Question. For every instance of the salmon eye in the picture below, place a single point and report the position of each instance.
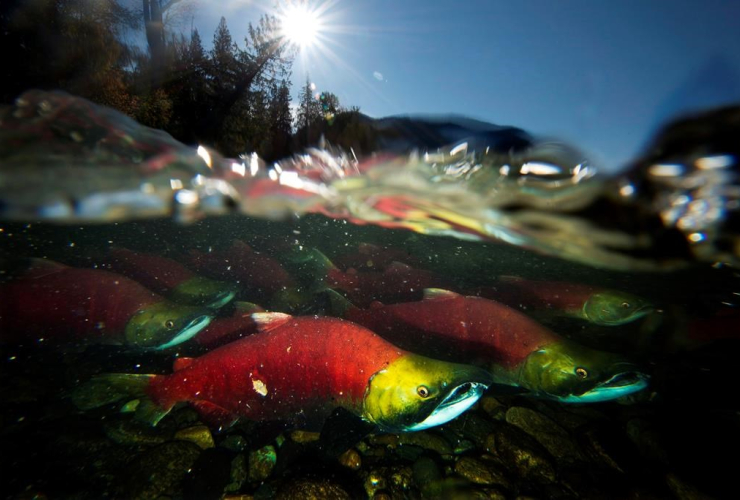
(581, 372)
(422, 391)
(169, 324)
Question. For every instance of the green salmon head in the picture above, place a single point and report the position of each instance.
(611, 308)
(199, 291)
(414, 393)
(165, 324)
(572, 373)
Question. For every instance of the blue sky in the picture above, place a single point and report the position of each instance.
(599, 74)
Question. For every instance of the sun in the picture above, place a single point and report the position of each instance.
(300, 24)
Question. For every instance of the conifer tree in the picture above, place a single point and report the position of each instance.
(281, 121)
(309, 108)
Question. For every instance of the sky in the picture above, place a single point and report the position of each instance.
(600, 75)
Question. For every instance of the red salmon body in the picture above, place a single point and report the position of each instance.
(301, 369)
(241, 264)
(397, 283)
(457, 328)
(373, 257)
(157, 273)
(538, 295)
(60, 303)
(224, 330)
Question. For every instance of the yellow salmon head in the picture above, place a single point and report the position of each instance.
(415, 392)
(199, 291)
(165, 324)
(572, 373)
(612, 307)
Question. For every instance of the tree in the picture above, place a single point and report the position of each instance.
(265, 58)
(72, 45)
(281, 122)
(189, 87)
(156, 13)
(309, 108)
(329, 105)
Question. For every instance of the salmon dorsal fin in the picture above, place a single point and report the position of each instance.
(43, 267)
(339, 305)
(510, 279)
(240, 245)
(182, 363)
(267, 321)
(247, 307)
(367, 248)
(398, 266)
(439, 294)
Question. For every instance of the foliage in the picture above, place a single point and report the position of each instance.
(234, 97)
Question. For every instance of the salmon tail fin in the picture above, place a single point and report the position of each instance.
(110, 388)
(508, 278)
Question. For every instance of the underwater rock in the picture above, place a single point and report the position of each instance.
(312, 489)
(239, 473)
(199, 434)
(185, 417)
(261, 463)
(493, 407)
(234, 442)
(472, 426)
(521, 452)
(426, 471)
(209, 476)
(569, 417)
(647, 441)
(351, 459)
(478, 472)
(132, 432)
(389, 482)
(549, 434)
(382, 495)
(374, 481)
(608, 448)
(488, 494)
(683, 490)
(423, 440)
(159, 470)
(402, 479)
(79, 456)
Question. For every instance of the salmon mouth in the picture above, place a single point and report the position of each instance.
(189, 331)
(620, 384)
(456, 402)
(221, 300)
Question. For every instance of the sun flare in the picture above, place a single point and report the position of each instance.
(300, 25)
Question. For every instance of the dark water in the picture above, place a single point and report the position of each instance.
(668, 441)
(674, 439)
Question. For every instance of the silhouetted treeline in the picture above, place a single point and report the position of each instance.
(234, 97)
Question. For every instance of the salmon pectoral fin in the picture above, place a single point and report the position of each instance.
(342, 430)
(150, 412)
(214, 415)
